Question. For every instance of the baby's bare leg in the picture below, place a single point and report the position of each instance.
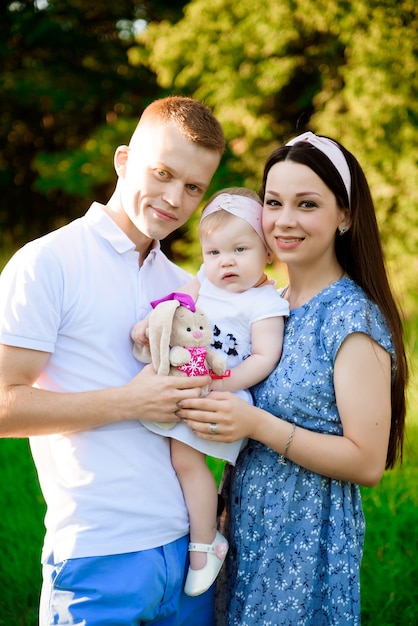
(200, 494)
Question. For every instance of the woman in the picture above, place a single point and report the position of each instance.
(331, 415)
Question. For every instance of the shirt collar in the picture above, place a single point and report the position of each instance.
(109, 230)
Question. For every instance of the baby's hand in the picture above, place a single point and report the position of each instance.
(139, 332)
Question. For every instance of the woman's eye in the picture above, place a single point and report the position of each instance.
(272, 203)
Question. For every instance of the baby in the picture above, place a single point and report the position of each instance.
(246, 313)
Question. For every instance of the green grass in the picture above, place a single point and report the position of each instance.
(390, 563)
(21, 533)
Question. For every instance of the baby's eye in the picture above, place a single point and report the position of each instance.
(240, 248)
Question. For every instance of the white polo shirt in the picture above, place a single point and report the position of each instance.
(76, 293)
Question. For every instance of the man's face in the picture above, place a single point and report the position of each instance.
(162, 179)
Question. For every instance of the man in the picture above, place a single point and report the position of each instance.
(116, 525)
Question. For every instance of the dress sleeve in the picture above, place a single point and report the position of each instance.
(356, 315)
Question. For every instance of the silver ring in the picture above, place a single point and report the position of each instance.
(212, 429)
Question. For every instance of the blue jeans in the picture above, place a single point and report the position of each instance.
(124, 590)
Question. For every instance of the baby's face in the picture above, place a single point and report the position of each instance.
(234, 256)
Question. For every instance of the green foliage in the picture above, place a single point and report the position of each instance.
(230, 55)
(376, 115)
(274, 68)
(79, 172)
(66, 83)
(74, 80)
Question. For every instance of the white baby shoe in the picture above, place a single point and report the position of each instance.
(199, 580)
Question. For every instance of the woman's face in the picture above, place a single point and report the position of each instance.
(300, 215)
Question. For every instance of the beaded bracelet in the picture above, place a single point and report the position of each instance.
(282, 457)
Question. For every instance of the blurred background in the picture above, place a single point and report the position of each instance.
(75, 76)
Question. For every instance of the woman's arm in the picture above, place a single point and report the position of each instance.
(362, 379)
(266, 349)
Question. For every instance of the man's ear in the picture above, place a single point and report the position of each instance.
(120, 160)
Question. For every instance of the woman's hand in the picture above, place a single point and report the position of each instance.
(220, 416)
(362, 385)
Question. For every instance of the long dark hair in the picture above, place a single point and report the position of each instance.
(359, 252)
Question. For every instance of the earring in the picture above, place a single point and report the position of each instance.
(343, 230)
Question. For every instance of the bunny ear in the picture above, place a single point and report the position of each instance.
(160, 323)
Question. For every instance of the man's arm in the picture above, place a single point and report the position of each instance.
(28, 411)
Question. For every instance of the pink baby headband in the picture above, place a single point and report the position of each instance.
(241, 206)
(332, 151)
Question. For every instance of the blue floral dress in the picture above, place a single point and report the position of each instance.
(296, 538)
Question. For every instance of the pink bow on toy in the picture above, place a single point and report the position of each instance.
(183, 298)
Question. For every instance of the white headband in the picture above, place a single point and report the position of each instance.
(332, 151)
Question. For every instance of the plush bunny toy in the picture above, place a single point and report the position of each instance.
(179, 335)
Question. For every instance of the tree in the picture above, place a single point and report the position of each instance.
(377, 114)
(69, 96)
(274, 68)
